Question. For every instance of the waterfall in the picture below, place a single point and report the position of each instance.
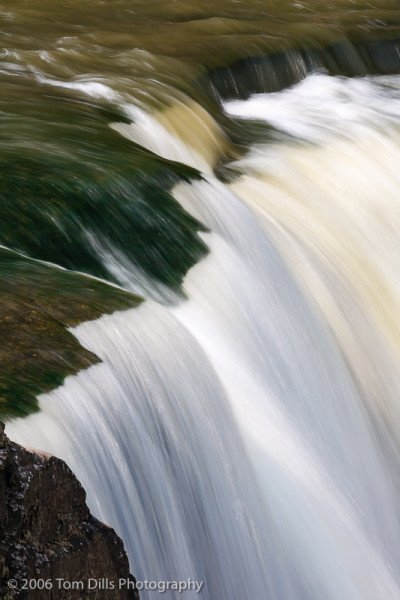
(247, 436)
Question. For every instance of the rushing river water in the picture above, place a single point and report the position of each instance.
(215, 161)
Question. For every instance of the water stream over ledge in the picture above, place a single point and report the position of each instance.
(242, 425)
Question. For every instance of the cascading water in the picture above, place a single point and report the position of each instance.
(247, 435)
(230, 438)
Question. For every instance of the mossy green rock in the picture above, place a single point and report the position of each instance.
(39, 302)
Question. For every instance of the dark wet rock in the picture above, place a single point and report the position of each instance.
(48, 534)
(275, 71)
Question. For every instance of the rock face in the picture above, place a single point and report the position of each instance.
(49, 539)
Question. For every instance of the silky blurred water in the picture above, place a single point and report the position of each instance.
(242, 427)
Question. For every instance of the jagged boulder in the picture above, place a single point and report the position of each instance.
(51, 547)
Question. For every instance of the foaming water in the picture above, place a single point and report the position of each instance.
(334, 213)
(321, 108)
(248, 436)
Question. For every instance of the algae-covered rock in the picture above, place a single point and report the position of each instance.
(38, 303)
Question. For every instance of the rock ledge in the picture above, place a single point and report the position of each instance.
(47, 533)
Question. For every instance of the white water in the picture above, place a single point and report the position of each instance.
(334, 212)
(248, 437)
